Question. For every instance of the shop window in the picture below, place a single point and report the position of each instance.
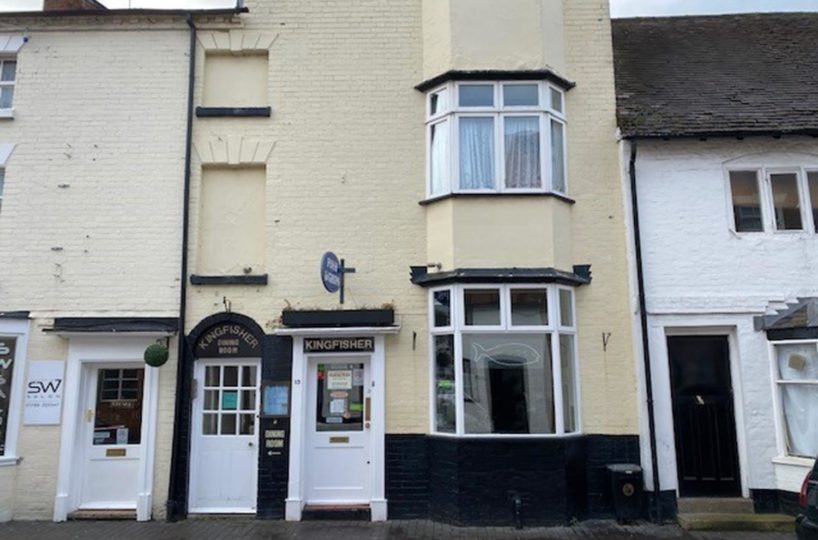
(232, 221)
(496, 137)
(796, 366)
(8, 348)
(502, 364)
(235, 80)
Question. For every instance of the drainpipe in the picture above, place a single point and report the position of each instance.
(643, 316)
(182, 403)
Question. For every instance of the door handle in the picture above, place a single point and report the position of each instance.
(699, 400)
(250, 444)
(367, 412)
(89, 415)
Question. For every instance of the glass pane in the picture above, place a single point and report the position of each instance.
(477, 152)
(248, 376)
(477, 95)
(507, 383)
(211, 400)
(444, 384)
(442, 301)
(482, 307)
(522, 146)
(569, 381)
(340, 397)
(797, 362)
(9, 68)
(6, 97)
(118, 418)
(210, 424)
(439, 158)
(230, 400)
(557, 156)
(212, 376)
(556, 99)
(786, 201)
(231, 376)
(566, 308)
(228, 424)
(247, 424)
(800, 403)
(746, 201)
(248, 400)
(812, 180)
(529, 307)
(439, 102)
(520, 95)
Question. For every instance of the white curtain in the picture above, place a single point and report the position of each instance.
(477, 153)
(798, 362)
(440, 158)
(522, 141)
(557, 156)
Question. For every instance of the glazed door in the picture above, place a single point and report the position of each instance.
(337, 469)
(703, 416)
(224, 453)
(112, 437)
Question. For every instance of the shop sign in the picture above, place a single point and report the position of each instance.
(7, 348)
(335, 345)
(331, 272)
(44, 392)
(228, 340)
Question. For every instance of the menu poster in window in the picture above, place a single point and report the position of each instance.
(7, 348)
(44, 392)
(340, 379)
(276, 399)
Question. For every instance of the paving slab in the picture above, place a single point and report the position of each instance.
(249, 529)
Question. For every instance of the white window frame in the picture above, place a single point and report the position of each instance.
(767, 201)
(778, 405)
(458, 328)
(19, 329)
(8, 112)
(499, 112)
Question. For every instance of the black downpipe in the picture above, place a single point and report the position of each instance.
(643, 315)
(173, 505)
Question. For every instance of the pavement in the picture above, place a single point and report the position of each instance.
(248, 529)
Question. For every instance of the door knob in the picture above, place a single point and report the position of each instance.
(89, 415)
(250, 444)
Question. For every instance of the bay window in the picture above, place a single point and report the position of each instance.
(495, 137)
(504, 360)
(796, 379)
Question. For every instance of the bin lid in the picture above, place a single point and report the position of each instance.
(625, 468)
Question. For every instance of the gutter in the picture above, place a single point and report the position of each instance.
(173, 506)
(122, 12)
(643, 316)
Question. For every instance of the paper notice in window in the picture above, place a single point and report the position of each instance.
(358, 377)
(339, 380)
(337, 406)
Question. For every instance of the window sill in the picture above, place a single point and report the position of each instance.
(9, 461)
(241, 112)
(505, 436)
(259, 279)
(794, 461)
(497, 194)
(7, 113)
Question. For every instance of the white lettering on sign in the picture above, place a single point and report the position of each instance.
(355, 344)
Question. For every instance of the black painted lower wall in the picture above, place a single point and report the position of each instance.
(473, 481)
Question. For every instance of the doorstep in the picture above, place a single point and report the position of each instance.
(102, 515)
(336, 513)
(736, 522)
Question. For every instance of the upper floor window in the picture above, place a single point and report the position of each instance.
(495, 137)
(774, 199)
(504, 360)
(8, 74)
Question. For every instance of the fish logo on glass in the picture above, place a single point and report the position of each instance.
(507, 354)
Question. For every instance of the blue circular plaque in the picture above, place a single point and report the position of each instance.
(331, 272)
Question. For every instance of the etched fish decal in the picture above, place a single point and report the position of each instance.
(507, 354)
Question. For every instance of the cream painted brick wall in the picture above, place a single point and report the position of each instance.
(609, 387)
(100, 110)
(345, 175)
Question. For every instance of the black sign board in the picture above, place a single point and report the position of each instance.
(228, 340)
(339, 344)
(7, 347)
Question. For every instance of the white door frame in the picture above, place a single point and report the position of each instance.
(196, 427)
(295, 502)
(85, 352)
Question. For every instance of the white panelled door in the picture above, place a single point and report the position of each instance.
(338, 435)
(224, 453)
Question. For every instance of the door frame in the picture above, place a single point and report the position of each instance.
(735, 380)
(196, 425)
(85, 353)
(295, 501)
